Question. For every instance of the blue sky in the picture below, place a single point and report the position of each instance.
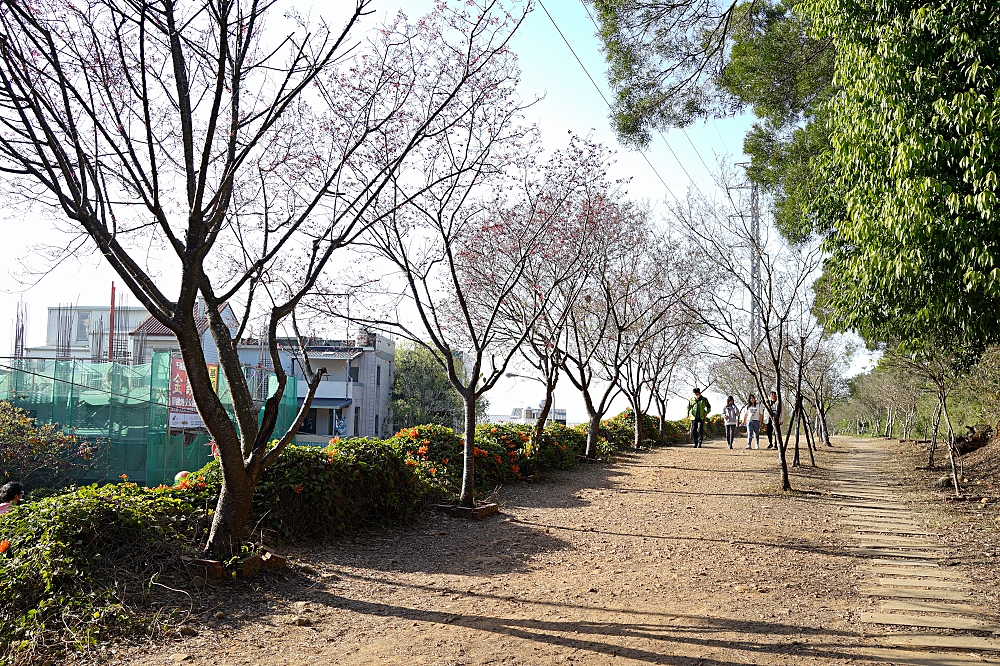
(571, 103)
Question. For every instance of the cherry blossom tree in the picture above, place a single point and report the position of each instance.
(214, 150)
(760, 286)
(465, 255)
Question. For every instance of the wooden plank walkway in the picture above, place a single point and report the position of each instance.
(899, 565)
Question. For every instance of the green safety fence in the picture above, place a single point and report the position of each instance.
(124, 410)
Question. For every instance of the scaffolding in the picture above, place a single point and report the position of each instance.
(124, 410)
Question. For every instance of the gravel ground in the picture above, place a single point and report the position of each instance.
(674, 556)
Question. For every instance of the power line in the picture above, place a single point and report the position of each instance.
(601, 93)
(680, 163)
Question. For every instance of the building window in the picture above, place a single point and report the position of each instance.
(355, 373)
(308, 426)
(377, 429)
(378, 377)
(357, 420)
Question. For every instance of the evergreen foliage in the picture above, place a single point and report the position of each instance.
(915, 135)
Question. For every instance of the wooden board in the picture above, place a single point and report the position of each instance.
(924, 572)
(872, 514)
(882, 523)
(891, 528)
(934, 607)
(902, 542)
(888, 552)
(910, 658)
(917, 582)
(897, 538)
(907, 563)
(941, 622)
(914, 593)
(938, 641)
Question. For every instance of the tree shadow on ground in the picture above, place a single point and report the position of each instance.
(668, 629)
(493, 546)
(798, 545)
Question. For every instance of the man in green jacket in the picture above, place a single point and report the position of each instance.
(698, 409)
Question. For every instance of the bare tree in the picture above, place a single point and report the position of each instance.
(659, 331)
(942, 366)
(560, 267)
(613, 314)
(677, 345)
(824, 379)
(187, 140)
(462, 256)
(752, 330)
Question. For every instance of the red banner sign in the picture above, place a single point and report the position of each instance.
(183, 413)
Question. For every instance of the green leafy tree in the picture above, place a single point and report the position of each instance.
(915, 136)
(670, 65)
(40, 455)
(421, 393)
(785, 77)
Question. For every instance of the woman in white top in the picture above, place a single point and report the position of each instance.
(751, 417)
(730, 416)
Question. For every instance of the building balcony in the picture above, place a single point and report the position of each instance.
(328, 389)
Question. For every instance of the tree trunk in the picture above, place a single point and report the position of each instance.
(637, 430)
(934, 436)
(810, 442)
(467, 497)
(951, 447)
(824, 428)
(797, 422)
(232, 513)
(593, 427)
(661, 408)
(786, 484)
(542, 418)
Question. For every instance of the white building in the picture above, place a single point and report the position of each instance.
(353, 397)
(150, 336)
(84, 332)
(530, 416)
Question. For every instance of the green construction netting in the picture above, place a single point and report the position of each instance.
(124, 409)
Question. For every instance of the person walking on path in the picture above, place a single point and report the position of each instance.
(730, 416)
(698, 409)
(751, 419)
(770, 416)
(10, 495)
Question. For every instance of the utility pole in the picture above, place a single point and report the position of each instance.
(756, 286)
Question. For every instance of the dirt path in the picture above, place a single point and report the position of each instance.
(677, 556)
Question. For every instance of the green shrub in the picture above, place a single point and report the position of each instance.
(312, 493)
(622, 428)
(561, 446)
(70, 562)
(40, 455)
